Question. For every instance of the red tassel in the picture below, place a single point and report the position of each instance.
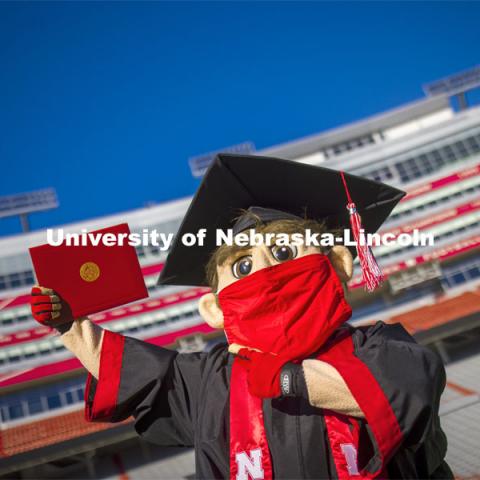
(371, 273)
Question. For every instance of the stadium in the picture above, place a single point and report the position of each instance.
(430, 148)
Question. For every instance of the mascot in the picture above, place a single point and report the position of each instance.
(297, 392)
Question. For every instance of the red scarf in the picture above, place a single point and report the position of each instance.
(249, 452)
(290, 309)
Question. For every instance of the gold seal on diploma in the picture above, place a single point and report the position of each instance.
(89, 271)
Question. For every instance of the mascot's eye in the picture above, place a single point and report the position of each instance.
(284, 252)
(242, 267)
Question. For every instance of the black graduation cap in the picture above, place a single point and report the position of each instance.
(235, 182)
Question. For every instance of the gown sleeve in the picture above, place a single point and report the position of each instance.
(157, 386)
(397, 384)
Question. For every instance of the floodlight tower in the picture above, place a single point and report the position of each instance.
(23, 204)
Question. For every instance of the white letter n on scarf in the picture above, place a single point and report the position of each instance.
(249, 463)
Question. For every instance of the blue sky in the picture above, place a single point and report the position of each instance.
(107, 101)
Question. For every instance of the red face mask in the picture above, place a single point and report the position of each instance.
(289, 309)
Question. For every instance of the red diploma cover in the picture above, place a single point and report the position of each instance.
(91, 278)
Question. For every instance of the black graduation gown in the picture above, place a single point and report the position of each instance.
(183, 399)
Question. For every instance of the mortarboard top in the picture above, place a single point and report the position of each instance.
(235, 182)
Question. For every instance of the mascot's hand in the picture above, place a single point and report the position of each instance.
(263, 372)
(48, 308)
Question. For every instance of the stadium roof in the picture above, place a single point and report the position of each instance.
(391, 118)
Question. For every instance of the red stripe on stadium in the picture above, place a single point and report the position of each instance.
(146, 306)
(432, 220)
(442, 182)
(439, 254)
(74, 364)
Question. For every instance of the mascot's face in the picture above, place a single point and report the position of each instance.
(243, 263)
(239, 263)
